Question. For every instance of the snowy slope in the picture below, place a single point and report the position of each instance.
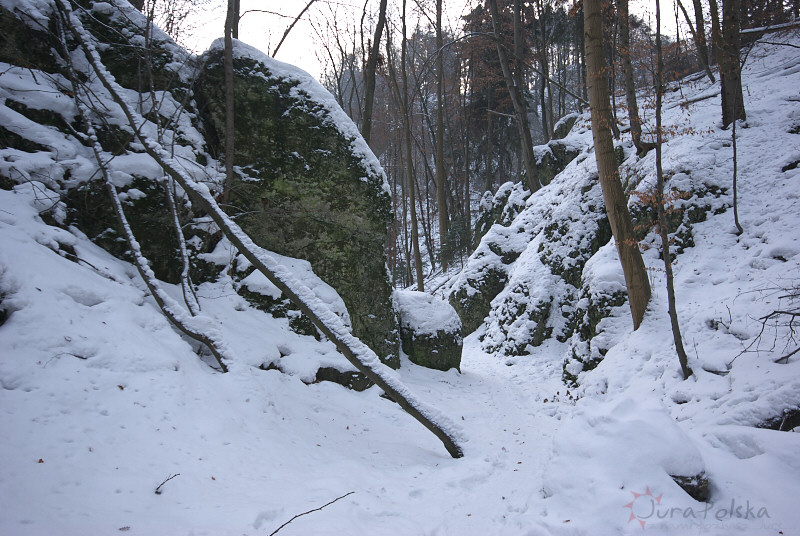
(102, 400)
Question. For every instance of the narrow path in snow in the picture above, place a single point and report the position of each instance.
(509, 414)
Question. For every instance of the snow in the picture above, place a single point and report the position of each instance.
(102, 400)
(425, 314)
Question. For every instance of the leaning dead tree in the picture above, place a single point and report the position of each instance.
(329, 324)
(193, 326)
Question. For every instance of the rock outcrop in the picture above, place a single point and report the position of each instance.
(430, 330)
(306, 186)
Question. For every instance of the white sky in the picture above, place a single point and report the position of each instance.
(264, 30)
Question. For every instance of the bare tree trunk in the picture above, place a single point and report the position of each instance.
(441, 176)
(699, 37)
(227, 62)
(729, 66)
(412, 196)
(518, 101)
(700, 28)
(489, 142)
(630, 88)
(236, 16)
(716, 31)
(189, 296)
(616, 203)
(662, 215)
(369, 74)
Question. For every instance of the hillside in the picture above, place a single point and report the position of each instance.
(572, 423)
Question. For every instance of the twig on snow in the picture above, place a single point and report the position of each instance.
(158, 489)
(310, 511)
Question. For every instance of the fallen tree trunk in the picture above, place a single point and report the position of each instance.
(355, 351)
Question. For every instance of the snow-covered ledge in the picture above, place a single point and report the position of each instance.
(430, 330)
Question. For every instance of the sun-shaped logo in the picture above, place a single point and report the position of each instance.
(646, 506)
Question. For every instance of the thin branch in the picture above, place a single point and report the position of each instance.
(310, 511)
(501, 114)
(289, 29)
(779, 44)
(158, 489)
(785, 358)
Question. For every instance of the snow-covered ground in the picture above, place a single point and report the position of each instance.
(102, 401)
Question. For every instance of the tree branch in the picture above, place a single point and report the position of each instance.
(273, 533)
(289, 29)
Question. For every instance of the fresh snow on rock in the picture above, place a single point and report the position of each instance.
(425, 314)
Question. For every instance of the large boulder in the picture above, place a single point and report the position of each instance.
(430, 330)
(307, 185)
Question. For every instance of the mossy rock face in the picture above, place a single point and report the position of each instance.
(502, 208)
(587, 351)
(144, 201)
(521, 321)
(43, 117)
(684, 207)
(303, 190)
(352, 380)
(4, 314)
(564, 125)
(277, 305)
(23, 45)
(619, 154)
(473, 300)
(125, 49)
(696, 486)
(554, 157)
(787, 421)
(440, 351)
(6, 183)
(430, 330)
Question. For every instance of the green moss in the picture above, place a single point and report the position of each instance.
(89, 208)
(555, 161)
(440, 351)
(473, 307)
(305, 194)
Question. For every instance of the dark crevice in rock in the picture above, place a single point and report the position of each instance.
(352, 380)
(789, 420)
(696, 486)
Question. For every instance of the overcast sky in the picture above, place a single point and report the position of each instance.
(264, 30)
